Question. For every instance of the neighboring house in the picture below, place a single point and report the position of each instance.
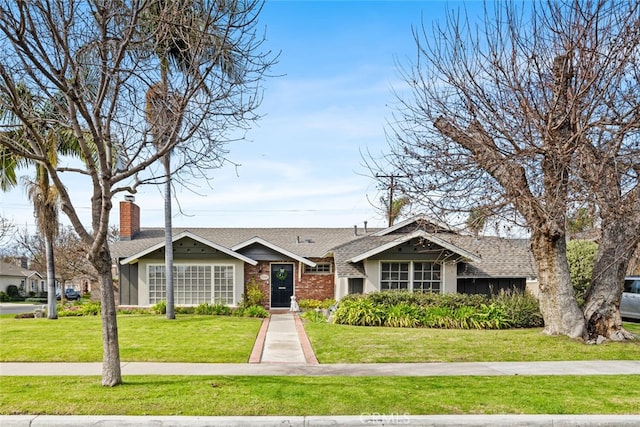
(27, 281)
(213, 265)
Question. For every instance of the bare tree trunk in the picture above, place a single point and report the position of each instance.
(111, 374)
(52, 310)
(558, 305)
(602, 302)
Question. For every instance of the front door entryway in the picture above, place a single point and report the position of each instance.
(281, 285)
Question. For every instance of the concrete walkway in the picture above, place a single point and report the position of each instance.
(607, 367)
(324, 421)
(281, 343)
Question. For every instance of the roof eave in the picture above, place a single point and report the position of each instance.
(468, 256)
(136, 257)
(274, 247)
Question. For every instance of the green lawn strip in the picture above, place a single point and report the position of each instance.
(244, 395)
(358, 344)
(189, 338)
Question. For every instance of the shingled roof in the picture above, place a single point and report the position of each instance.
(9, 269)
(477, 256)
(500, 257)
(305, 242)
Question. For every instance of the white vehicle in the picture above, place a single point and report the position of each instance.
(630, 302)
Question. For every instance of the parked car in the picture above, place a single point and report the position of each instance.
(630, 302)
(70, 294)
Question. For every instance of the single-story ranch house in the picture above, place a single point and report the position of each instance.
(27, 281)
(213, 265)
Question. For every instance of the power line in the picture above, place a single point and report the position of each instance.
(392, 185)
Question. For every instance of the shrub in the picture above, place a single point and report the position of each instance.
(309, 304)
(402, 315)
(520, 308)
(493, 316)
(465, 317)
(581, 255)
(160, 308)
(254, 295)
(137, 310)
(184, 310)
(312, 304)
(313, 316)
(437, 317)
(4, 297)
(13, 292)
(390, 298)
(404, 309)
(256, 311)
(328, 303)
(91, 308)
(455, 301)
(212, 309)
(361, 311)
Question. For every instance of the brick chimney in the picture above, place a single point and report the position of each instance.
(129, 218)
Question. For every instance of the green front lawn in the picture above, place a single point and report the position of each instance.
(359, 344)
(188, 338)
(223, 339)
(245, 396)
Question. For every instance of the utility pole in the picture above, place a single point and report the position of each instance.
(392, 185)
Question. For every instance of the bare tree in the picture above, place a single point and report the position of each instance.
(69, 254)
(497, 116)
(94, 53)
(7, 231)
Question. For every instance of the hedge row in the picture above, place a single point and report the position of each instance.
(410, 310)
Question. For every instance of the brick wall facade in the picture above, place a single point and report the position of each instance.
(254, 272)
(306, 286)
(318, 286)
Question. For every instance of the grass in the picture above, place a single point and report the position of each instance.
(222, 339)
(228, 339)
(213, 339)
(252, 396)
(356, 344)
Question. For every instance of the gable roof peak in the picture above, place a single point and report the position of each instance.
(418, 222)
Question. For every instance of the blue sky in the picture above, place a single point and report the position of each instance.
(301, 165)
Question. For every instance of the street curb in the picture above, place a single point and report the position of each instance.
(312, 421)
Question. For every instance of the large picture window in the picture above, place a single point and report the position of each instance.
(193, 284)
(223, 284)
(426, 277)
(414, 276)
(394, 276)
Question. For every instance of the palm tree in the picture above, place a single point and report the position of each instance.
(45, 207)
(43, 195)
(173, 45)
(394, 209)
(161, 117)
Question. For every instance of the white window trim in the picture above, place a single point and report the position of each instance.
(189, 264)
(411, 271)
(318, 264)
